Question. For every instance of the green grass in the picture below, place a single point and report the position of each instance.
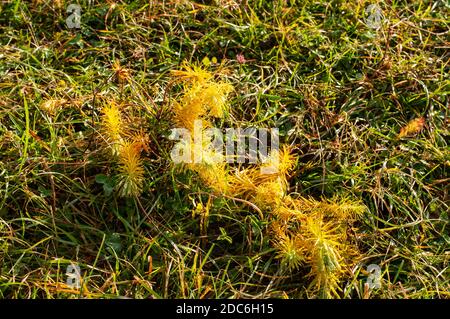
(339, 92)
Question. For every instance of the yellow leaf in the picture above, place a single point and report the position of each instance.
(413, 127)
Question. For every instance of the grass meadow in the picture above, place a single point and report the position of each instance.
(359, 93)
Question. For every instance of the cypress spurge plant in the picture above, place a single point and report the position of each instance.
(112, 126)
(125, 148)
(202, 97)
(304, 231)
(290, 247)
(321, 229)
(131, 170)
(326, 248)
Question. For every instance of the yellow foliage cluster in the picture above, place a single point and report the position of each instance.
(130, 177)
(203, 97)
(112, 126)
(305, 231)
(319, 230)
(131, 170)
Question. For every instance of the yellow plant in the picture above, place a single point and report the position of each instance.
(325, 247)
(202, 97)
(131, 170)
(192, 73)
(112, 126)
(342, 209)
(280, 162)
(290, 250)
(270, 194)
(304, 230)
(212, 175)
(320, 235)
(215, 97)
(185, 116)
(286, 211)
(264, 189)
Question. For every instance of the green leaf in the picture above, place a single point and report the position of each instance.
(224, 236)
(107, 182)
(114, 243)
(101, 178)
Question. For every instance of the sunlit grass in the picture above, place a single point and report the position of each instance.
(86, 175)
